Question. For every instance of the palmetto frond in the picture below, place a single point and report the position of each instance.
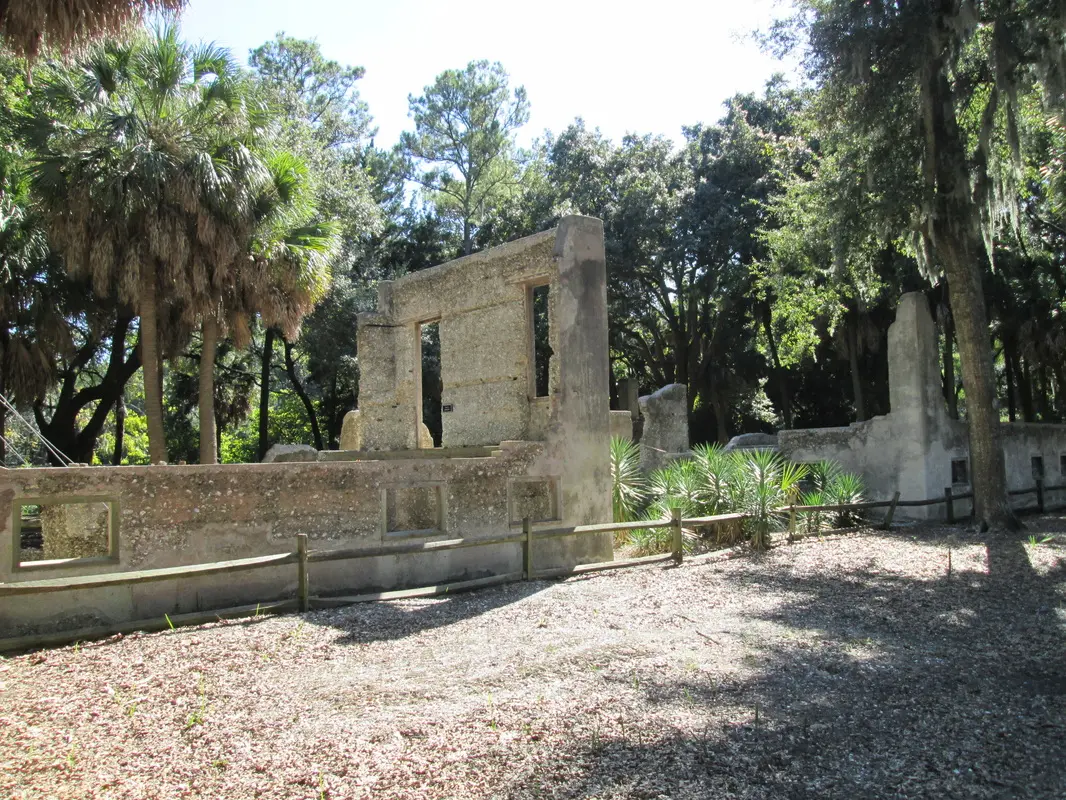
(27, 26)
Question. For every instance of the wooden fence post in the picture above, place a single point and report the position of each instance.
(677, 540)
(791, 521)
(1040, 495)
(887, 524)
(301, 578)
(950, 504)
(527, 548)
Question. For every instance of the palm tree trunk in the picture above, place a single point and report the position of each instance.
(120, 429)
(150, 363)
(208, 441)
(959, 248)
(290, 368)
(264, 394)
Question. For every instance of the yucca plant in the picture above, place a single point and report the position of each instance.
(813, 519)
(717, 471)
(821, 474)
(628, 487)
(846, 489)
(768, 483)
(677, 485)
(649, 541)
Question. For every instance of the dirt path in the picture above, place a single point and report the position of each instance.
(846, 668)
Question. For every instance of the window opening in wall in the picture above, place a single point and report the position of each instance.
(542, 351)
(1062, 465)
(1037, 465)
(66, 532)
(960, 472)
(432, 386)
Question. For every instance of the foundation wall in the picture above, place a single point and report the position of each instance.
(911, 449)
(177, 515)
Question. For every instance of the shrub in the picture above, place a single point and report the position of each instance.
(846, 488)
(759, 483)
(629, 491)
(767, 483)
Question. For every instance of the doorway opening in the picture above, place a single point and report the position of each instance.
(432, 386)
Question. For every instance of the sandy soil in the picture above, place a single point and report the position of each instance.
(853, 666)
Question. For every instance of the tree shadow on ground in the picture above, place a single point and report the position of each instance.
(362, 623)
(953, 687)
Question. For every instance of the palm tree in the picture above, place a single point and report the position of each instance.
(285, 273)
(26, 25)
(150, 179)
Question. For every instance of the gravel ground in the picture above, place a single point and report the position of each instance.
(856, 666)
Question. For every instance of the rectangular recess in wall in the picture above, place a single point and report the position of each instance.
(960, 472)
(413, 509)
(58, 532)
(540, 340)
(536, 498)
(1062, 465)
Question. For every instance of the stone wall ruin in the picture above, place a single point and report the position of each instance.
(918, 449)
(507, 454)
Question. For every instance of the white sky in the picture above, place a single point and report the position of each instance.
(645, 68)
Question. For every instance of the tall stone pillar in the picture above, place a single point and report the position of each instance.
(919, 415)
(388, 408)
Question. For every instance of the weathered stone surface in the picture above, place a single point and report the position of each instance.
(622, 424)
(74, 530)
(483, 305)
(290, 453)
(425, 437)
(665, 433)
(752, 441)
(351, 432)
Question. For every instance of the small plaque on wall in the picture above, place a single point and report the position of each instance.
(447, 407)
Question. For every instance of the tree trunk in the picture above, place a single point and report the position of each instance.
(264, 393)
(120, 429)
(1026, 386)
(208, 441)
(1042, 397)
(1060, 384)
(948, 357)
(1010, 370)
(3, 391)
(290, 369)
(856, 378)
(779, 373)
(68, 429)
(720, 420)
(959, 247)
(150, 363)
